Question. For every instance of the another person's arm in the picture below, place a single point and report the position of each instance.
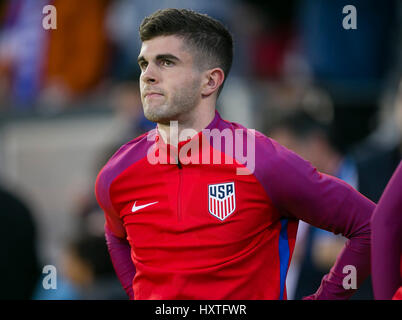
(386, 247)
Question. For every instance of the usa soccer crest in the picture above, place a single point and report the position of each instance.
(221, 199)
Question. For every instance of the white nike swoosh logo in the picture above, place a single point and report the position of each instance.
(136, 208)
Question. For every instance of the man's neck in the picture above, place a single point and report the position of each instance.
(186, 126)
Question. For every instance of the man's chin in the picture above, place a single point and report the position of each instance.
(159, 118)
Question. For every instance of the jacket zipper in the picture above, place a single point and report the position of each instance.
(179, 165)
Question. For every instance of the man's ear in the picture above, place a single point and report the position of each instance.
(212, 80)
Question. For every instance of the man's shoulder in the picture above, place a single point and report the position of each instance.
(264, 145)
(136, 145)
(267, 152)
(128, 154)
(258, 135)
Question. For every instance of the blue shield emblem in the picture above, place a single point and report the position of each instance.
(221, 200)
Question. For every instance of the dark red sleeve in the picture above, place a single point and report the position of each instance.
(301, 192)
(387, 239)
(120, 253)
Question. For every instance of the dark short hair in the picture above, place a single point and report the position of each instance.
(303, 125)
(212, 42)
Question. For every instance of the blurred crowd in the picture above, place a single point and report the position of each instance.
(333, 96)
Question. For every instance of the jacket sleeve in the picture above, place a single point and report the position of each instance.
(115, 234)
(120, 254)
(387, 239)
(300, 191)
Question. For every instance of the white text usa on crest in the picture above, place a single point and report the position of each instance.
(221, 199)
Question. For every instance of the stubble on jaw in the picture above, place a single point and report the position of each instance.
(183, 101)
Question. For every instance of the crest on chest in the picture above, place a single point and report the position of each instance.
(221, 199)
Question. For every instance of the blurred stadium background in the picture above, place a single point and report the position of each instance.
(69, 98)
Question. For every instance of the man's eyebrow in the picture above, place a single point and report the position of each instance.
(160, 57)
(167, 56)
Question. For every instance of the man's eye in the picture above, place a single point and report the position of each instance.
(143, 65)
(167, 63)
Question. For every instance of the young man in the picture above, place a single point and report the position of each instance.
(223, 227)
(386, 250)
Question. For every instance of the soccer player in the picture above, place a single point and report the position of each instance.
(224, 227)
(386, 248)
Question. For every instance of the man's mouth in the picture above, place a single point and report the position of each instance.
(153, 95)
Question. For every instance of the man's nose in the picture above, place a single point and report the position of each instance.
(149, 75)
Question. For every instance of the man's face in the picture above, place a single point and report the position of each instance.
(170, 83)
